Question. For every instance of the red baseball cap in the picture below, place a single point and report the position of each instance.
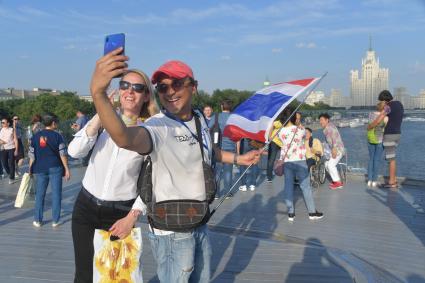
(173, 69)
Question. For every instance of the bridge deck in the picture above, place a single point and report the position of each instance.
(367, 235)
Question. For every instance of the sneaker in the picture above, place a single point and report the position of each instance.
(375, 184)
(269, 181)
(11, 181)
(336, 185)
(315, 215)
(369, 183)
(36, 224)
(55, 224)
(216, 197)
(252, 188)
(229, 196)
(243, 188)
(291, 217)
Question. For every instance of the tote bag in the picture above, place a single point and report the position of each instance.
(117, 261)
(25, 188)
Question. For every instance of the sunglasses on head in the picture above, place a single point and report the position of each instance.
(176, 85)
(140, 88)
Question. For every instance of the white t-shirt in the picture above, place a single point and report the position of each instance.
(176, 158)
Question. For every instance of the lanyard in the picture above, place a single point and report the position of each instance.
(195, 116)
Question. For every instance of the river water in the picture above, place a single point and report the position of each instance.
(410, 152)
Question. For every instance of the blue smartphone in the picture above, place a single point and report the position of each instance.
(114, 41)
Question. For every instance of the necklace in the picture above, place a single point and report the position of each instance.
(129, 121)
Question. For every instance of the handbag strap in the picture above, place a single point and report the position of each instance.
(289, 145)
(199, 134)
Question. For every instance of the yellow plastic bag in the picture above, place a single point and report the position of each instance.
(117, 261)
(24, 190)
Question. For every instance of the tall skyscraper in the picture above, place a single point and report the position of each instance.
(365, 90)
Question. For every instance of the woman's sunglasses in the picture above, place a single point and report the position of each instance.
(140, 88)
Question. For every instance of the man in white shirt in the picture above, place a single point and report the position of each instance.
(177, 162)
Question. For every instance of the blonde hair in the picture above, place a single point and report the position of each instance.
(380, 106)
(148, 109)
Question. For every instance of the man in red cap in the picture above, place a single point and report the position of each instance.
(170, 138)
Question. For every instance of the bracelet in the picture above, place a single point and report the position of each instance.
(235, 159)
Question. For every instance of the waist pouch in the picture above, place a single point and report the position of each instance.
(178, 215)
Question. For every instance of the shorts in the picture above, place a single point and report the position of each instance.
(390, 145)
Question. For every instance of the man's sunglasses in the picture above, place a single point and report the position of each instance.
(176, 84)
(140, 88)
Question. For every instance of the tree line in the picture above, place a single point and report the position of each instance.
(66, 104)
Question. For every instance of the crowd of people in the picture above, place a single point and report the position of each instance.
(183, 145)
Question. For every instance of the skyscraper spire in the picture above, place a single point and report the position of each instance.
(370, 42)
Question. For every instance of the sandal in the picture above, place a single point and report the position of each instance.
(390, 186)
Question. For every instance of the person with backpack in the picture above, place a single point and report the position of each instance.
(374, 145)
(178, 142)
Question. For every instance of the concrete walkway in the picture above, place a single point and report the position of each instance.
(367, 235)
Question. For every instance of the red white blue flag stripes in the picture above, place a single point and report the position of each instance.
(253, 118)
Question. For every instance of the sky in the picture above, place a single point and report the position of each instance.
(228, 44)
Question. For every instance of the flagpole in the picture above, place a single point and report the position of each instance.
(267, 145)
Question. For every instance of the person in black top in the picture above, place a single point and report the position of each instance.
(394, 111)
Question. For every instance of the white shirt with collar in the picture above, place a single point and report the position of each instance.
(6, 135)
(112, 171)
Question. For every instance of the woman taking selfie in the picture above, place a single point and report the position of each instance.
(107, 199)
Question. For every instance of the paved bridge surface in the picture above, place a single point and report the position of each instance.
(367, 235)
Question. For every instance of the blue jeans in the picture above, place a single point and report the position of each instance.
(274, 149)
(225, 171)
(250, 178)
(375, 158)
(54, 175)
(298, 169)
(182, 257)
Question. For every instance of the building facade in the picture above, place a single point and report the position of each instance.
(365, 89)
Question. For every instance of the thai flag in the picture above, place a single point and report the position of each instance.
(253, 118)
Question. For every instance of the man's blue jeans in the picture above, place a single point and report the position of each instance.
(182, 257)
(54, 176)
(298, 169)
(225, 171)
(375, 158)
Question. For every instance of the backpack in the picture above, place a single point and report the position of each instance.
(215, 132)
(181, 215)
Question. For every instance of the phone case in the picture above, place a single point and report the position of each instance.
(114, 41)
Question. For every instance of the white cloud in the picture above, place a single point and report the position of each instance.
(276, 50)
(69, 47)
(32, 11)
(308, 45)
(225, 58)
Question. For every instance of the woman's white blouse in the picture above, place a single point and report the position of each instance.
(112, 172)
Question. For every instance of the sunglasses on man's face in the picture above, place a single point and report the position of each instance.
(140, 88)
(176, 85)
